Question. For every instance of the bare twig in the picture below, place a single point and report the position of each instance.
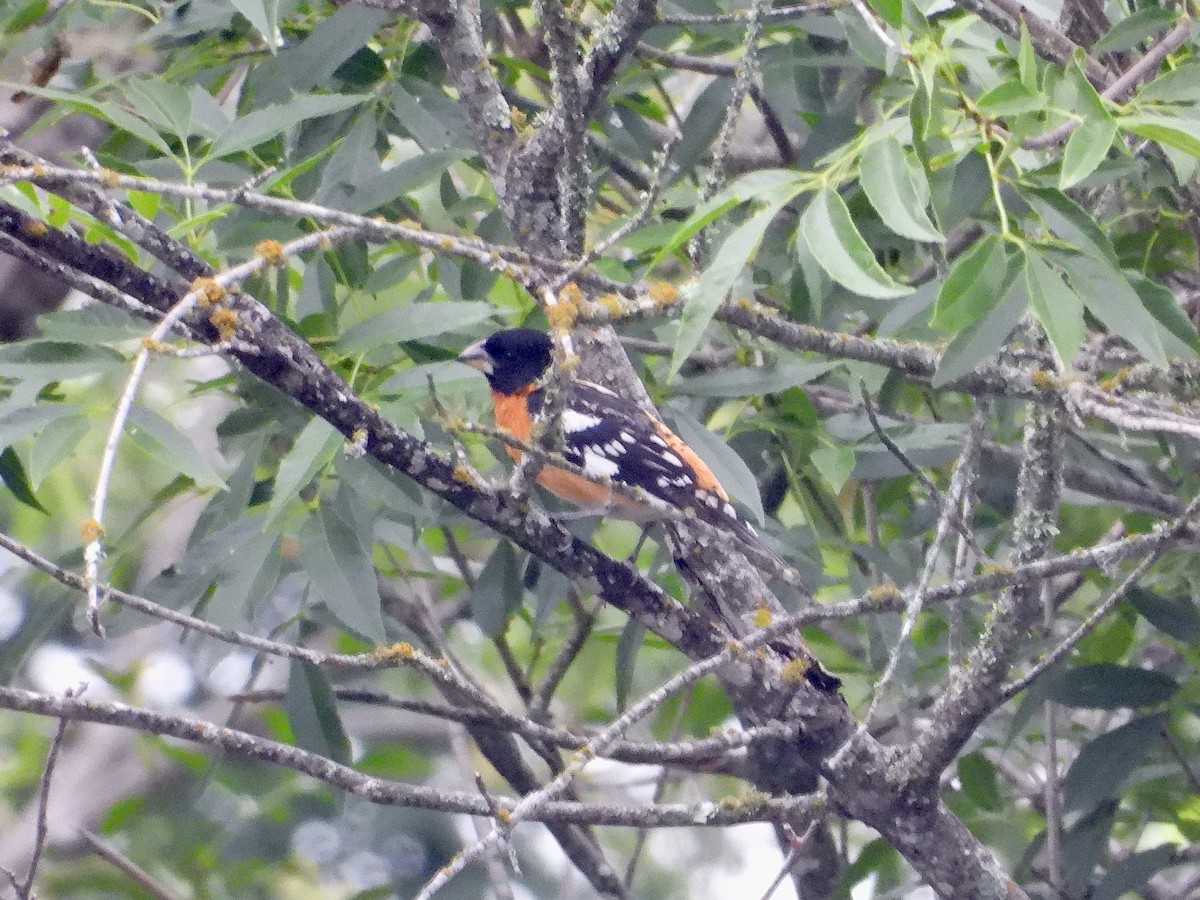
(1146, 66)
(207, 293)
(123, 863)
(393, 793)
(1115, 594)
(948, 509)
(26, 890)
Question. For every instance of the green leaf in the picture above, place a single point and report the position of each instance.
(165, 105)
(313, 714)
(54, 445)
(1131, 873)
(341, 574)
(21, 423)
(403, 178)
(898, 190)
(973, 288)
(250, 574)
(168, 445)
(891, 11)
(1171, 131)
(1057, 307)
(977, 343)
(843, 254)
(412, 322)
(1088, 102)
(57, 360)
(1095, 274)
(1110, 686)
(1011, 98)
(331, 43)
(1111, 299)
(1181, 85)
(1083, 846)
(752, 381)
(263, 15)
(1104, 765)
(731, 471)
(628, 645)
(706, 294)
(1162, 305)
(25, 16)
(108, 112)
(1086, 148)
(263, 124)
(977, 775)
(12, 473)
(1134, 29)
(834, 465)
(1174, 616)
(1027, 59)
(315, 446)
(94, 324)
(498, 591)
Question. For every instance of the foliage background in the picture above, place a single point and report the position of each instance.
(841, 244)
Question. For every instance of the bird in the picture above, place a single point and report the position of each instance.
(615, 446)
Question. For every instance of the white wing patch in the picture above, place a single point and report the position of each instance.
(599, 465)
(574, 421)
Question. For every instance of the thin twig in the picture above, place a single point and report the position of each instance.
(94, 529)
(964, 474)
(395, 793)
(746, 75)
(497, 877)
(39, 842)
(115, 857)
(585, 619)
(934, 491)
(1178, 527)
(769, 16)
(879, 31)
(1123, 86)
(660, 788)
(795, 846)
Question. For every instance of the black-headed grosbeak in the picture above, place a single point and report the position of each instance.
(620, 447)
(608, 437)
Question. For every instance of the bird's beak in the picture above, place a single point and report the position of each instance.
(477, 357)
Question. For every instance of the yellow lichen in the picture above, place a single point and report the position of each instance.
(881, 592)
(1043, 380)
(270, 251)
(611, 304)
(207, 291)
(225, 321)
(762, 616)
(109, 178)
(91, 530)
(562, 315)
(401, 650)
(663, 293)
(794, 670)
(995, 568)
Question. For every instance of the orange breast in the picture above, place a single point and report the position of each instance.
(512, 414)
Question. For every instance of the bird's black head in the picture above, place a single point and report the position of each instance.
(511, 359)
